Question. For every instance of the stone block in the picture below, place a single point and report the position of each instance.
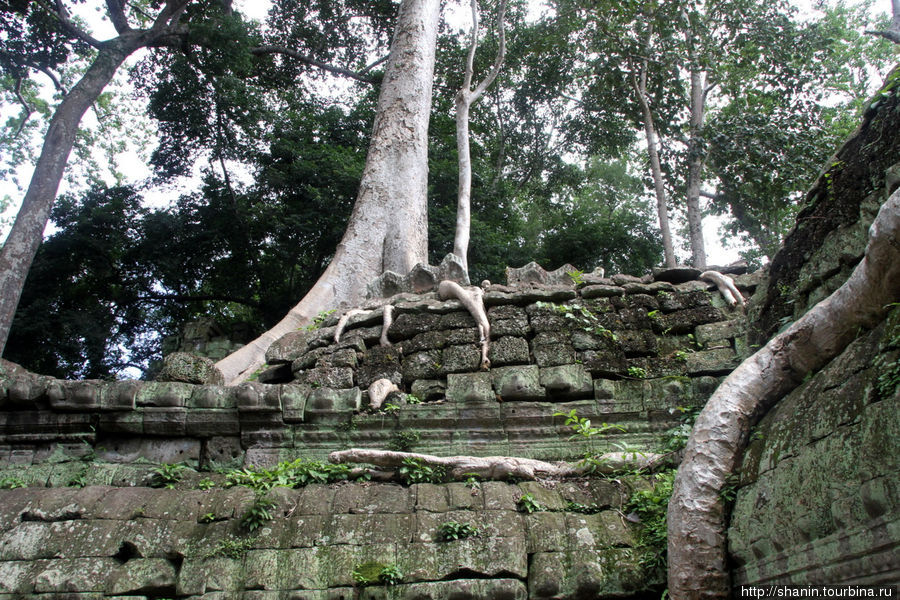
(289, 347)
(638, 342)
(164, 394)
(667, 393)
(407, 325)
(379, 362)
(546, 532)
(517, 383)
(257, 397)
(456, 320)
(602, 363)
(508, 350)
(460, 359)
(470, 387)
(422, 365)
(431, 340)
(164, 421)
(25, 391)
(16, 578)
(451, 268)
(601, 291)
(220, 451)
(293, 402)
(421, 278)
(142, 576)
(428, 389)
(74, 395)
(208, 422)
(327, 400)
(567, 381)
(483, 557)
(717, 332)
(217, 574)
(212, 396)
(331, 377)
(684, 321)
(127, 422)
(129, 450)
(344, 357)
(119, 395)
(190, 368)
(507, 320)
(711, 362)
(552, 348)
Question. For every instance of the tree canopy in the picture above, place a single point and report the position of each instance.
(273, 120)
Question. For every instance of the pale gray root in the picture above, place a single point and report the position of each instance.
(473, 300)
(342, 322)
(726, 287)
(388, 320)
(696, 516)
(388, 229)
(379, 390)
(460, 468)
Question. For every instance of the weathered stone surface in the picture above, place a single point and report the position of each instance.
(716, 332)
(567, 381)
(164, 394)
(508, 350)
(517, 383)
(451, 268)
(679, 274)
(711, 362)
(470, 387)
(379, 362)
(332, 377)
(428, 389)
(327, 400)
(422, 365)
(289, 347)
(552, 348)
(256, 397)
(385, 285)
(460, 359)
(601, 291)
(189, 368)
(293, 402)
(507, 320)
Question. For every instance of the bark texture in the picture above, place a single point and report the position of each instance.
(697, 545)
(465, 98)
(494, 467)
(695, 169)
(388, 229)
(25, 237)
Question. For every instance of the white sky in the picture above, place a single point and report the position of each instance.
(136, 165)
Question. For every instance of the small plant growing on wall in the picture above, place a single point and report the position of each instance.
(259, 512)
(373, 572)
(528, 504)
(167, 475)
(416, 471)
(453, 530)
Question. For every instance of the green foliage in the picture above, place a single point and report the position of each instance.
(373, 572)
(207, 517)
(580, 316)
(675, 438)
(410, 399)
(637, 372)
(888, 377)
(319, 319)
(166, 475)
(576, 276)
(230, 547)
(527, 503)
(259, 512)
(390, 408)
(582, 427)
(292, 474)
(586, 509)
(417, 471)
(206, 484)
(648, 507)
(79, 480)
(473, 482)
(404, 441)
(11, 482)
(453, 530)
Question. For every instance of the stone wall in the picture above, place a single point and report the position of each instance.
(623, 351)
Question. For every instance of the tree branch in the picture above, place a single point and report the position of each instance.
(117, 15)
(271, 49)
(892, 33)
(498, 60)
(62, 15)
(157, 298)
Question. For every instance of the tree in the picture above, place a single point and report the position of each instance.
(696, 514)
(465, 98)
(388, 227)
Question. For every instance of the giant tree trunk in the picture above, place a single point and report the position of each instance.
(697, 545)
(695, 168)
(388, 229)
(27, 232)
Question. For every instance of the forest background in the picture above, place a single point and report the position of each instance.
(254, 159)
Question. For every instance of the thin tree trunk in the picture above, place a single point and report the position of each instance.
(388, 229)
(696, 525)
(465, 98)
(695, 168)
(26, 235)
(662, 205)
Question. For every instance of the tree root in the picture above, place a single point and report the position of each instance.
(726, 287)
(696, 516)
(473, 300)
(459, 468)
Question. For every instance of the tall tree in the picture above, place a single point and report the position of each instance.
(388, 229)
(465, 98)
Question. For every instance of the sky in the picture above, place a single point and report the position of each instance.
(455, 12)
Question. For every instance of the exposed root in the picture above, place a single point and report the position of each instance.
(473, 300)
(388, 319)
(342, 322)
(379, 390)
(726, 287)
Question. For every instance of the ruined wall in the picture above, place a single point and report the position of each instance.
(817, 499)
(622, 350)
